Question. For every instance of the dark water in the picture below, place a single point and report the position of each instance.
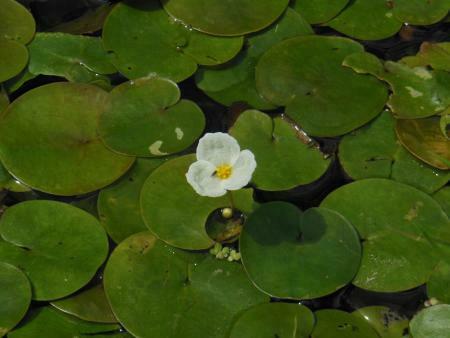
(407, 42)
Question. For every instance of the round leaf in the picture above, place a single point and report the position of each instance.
(431, 322)
(274, 320)
(118, 204)
(232, 17)
(423, 138)
(340, 324)
(183, 226)
(288, 254)
(158, 291)
(319, 11)
(399, 226)
(421, 12)
(59, 247)
(367, 20)
(90, 304)
(145, 117)
(306, 75)
(16, 22)
(13, 58)
(142, 40)
(15, 297)
(284, 161)
(48, 140)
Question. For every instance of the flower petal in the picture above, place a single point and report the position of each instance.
(242, 171)
(218, 148)
(201, 177)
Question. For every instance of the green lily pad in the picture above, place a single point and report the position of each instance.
(436, 55)
(420, 12)
(8, 182)
(146, 117)
(13, 58)
(183, 226)
(143, 40)
(438, 285)
(373, 151)
(284, 160)
(319, 11)
(340, 324)
(77, 58)
(305, 74)
(15, 297)
(16, 22)
(288, 254)
(274, 320)
(59, 152)
(431, 322)
(56, 324)
(233, 17)
(416, 92)
(423, 138)
(385, 321)
(118, 204)
(59, 247)
(443, 198)
(367, 20)
(400, 227)
(235, 81)
(90, 304)
(158, 291)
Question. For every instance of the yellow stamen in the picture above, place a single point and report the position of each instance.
(223, 171)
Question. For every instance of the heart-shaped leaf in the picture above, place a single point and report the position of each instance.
(158, 291)
(233, 17)
(59, 247)
(154, 43)
(288, 254)
(183, 226)
(48, 140)
(15, 296)
(146, 117)
(306, 75)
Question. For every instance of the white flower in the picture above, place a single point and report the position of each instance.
(220, 166)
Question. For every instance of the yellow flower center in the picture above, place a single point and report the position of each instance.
(223, 171)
